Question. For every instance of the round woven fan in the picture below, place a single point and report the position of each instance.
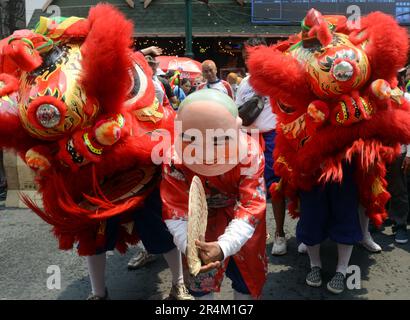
(197, 221)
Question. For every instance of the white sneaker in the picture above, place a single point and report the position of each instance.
(279, 246)
(179, 292)
(302, 248)
(369, 244)
(141, 259)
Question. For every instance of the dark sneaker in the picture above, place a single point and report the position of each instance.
(401, 235)
(3, 195)
(337, 284)
(388, 222)
(94, 297)
(314, 277)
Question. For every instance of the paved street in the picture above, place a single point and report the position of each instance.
(27, 249)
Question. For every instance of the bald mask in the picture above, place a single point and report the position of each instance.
(209, 138)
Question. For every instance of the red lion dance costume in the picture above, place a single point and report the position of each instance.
(78, 105)
(334, 90)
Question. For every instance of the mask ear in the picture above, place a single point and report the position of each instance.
(385, 43)
(278, 75)
(22, 53)
(318, 27)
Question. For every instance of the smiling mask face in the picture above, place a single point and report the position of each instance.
(209, 140)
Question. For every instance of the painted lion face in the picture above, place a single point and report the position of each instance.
(335, 69)
(52, 100)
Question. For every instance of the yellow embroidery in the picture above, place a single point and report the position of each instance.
(101, 228)
(396, 95)
(150, 113)
(377, 187)
(367, 106)
(345, 115)
(282, 160)
(120, 120)
(294, 128)
(90, 146)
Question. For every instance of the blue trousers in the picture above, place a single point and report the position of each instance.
(149, 225)
(330, 211)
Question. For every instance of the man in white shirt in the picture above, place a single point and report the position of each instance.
(209, 72)
(266, 124)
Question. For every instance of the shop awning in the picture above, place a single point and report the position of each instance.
(220, 18)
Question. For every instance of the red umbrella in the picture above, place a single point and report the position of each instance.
(188, 67)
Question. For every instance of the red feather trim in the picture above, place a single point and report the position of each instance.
(80, 29)
(292, 90)
(10, 84)
(106, 57)
(74, 224)
(387, 46)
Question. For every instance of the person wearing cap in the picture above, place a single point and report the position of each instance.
(167, 87)
(159, 87)
(149, 54)
(230, 164)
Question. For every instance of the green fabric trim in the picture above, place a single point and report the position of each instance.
(303, 26)
(48, 43)
(296, 45)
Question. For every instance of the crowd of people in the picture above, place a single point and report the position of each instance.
(174, 88)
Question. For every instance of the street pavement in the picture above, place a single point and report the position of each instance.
(28, 249)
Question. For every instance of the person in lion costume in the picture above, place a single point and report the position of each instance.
(341, 119)
(78, 105)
